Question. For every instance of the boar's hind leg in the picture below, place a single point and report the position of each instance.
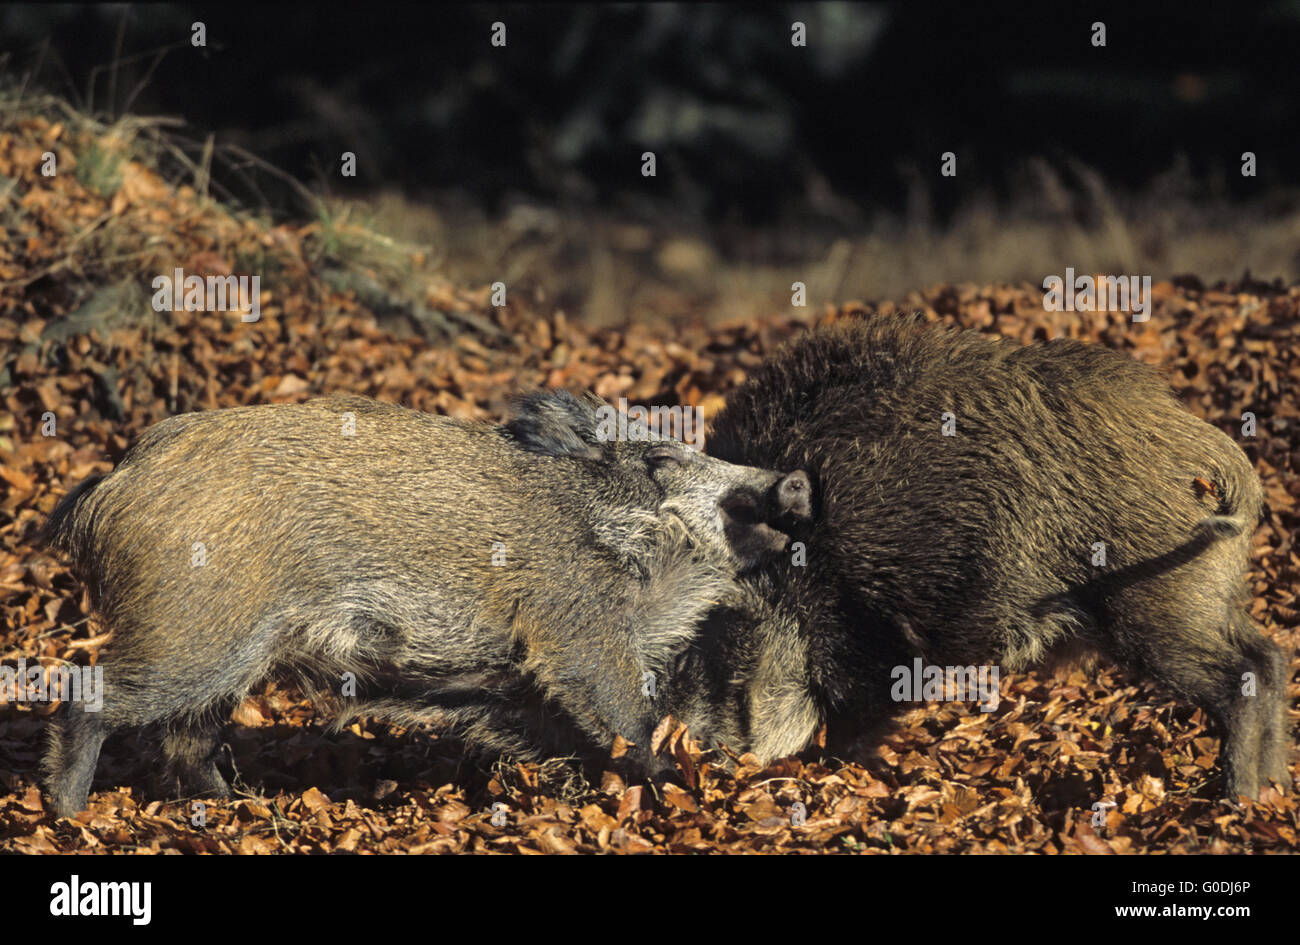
(1271, 691)
(75, 740)
(1208, 667)
(190, 746)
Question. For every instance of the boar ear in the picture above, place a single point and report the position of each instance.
(556, 423)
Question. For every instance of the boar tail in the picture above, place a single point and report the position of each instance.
(1222, 526)
(1238, 511)
(65, 529)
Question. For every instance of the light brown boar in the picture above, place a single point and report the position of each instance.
(518, 583)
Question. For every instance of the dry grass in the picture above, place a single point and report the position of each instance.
(609, 268)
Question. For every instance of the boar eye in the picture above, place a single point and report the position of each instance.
(661, 456)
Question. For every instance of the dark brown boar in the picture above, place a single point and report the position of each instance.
(979, 547)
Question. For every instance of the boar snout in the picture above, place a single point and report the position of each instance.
(791, 501)
(761, 520)
(734, 513)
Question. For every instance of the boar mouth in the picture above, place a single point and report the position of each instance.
(742, 509)
(771, 518)
(746, 525)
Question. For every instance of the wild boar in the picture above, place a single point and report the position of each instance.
(517, 583)
(978, 501)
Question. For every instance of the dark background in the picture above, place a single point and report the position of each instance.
(747, 128)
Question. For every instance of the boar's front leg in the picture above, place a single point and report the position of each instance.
(70, 760)
(609, 661)
(190, 746)
(601, 685)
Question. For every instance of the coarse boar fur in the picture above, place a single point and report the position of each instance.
(983, 546)
(516, 583)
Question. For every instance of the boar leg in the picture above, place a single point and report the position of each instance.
(607, 704)
(607, 665)
(601, 693)
(1208, 669)
(1242, 722)
(190, 747)
(75, 741)
(1272, 678)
